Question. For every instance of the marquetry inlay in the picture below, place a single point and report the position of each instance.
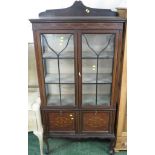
(95, 121)
(61, 121)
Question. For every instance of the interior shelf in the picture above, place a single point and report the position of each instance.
(85, 55)
(103, 55)
(90, 99)
(67, 100)
(63, 55)
(91, 78)
(64, 78)
(88, 78)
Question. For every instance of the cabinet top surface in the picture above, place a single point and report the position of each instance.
(78, 12)
(77, 19)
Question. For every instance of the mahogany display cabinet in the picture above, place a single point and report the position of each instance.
(79, 63)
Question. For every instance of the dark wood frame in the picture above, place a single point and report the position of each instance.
(78, 25)
(77, 34)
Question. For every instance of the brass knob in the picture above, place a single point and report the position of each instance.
(79, 74)
(87, 10)
(72, 118)
(70, 115)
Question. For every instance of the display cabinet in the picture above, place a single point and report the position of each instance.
(79, 61)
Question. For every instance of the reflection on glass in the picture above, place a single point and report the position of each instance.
(97, 66)
(94, 45)
(54, 45)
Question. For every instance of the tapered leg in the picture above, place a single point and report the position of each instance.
(41, 143)
(112, 144)
(112, 152)
(47, 144)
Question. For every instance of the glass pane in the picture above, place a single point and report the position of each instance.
(58, 60)
(54, 44)
(97, 44)
(89, 69)
(97, 67)
(89, 94)
(66, 68)
(67, 95)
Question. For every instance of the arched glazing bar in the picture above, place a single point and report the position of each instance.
(98, 55)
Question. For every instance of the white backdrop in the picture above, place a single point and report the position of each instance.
(42, 5)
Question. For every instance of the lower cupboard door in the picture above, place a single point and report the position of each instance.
(96, 122)
(60, 121)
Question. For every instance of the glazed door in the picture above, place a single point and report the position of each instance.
(97, 80)
(97, 69)
(59, 60)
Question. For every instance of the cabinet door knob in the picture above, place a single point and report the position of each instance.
(79, 74)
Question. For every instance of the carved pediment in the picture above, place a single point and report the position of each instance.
(77, 9)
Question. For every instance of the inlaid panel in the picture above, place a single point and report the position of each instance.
(61, 121)
(95, 121)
